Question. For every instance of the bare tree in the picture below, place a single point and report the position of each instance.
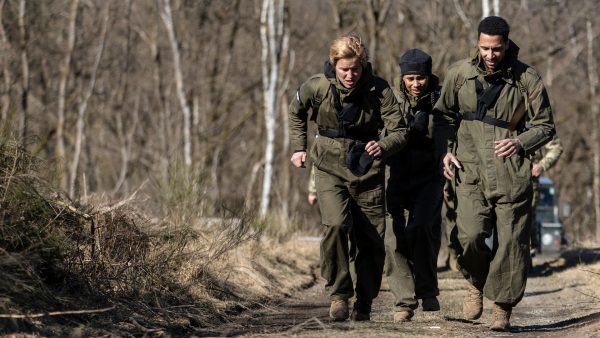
(64, 76)
(461, 14)
(271, 38)
(595, 112)
(84, 103)
(376, 14)
(167, 19)
(6, 73)
(485, 8)
(23, 39)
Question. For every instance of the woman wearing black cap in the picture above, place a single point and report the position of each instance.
(414, 194)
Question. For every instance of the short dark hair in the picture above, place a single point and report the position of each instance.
(494, 25)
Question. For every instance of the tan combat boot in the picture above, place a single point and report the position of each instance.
(338, 310)
(501, 317)
(403, 316)
(473, 303)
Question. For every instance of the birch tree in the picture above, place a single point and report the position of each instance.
(62, 88)
(271, 35)
(485, 8)
(167, 18)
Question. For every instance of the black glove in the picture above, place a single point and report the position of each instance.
(358, 160)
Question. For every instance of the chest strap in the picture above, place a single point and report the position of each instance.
(486, 119)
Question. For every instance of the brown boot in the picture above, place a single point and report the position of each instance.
(403, 316)
(338, 311)
(473, 303)
(501, 317)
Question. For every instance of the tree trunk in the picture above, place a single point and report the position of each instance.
(337, 18)
(167, 18)
(23, 39)
(6, 74)
(485, 8)
(84, 102)
(376, 15)
(124, 130)
(62, 89)
(595, 141)
(270, 70)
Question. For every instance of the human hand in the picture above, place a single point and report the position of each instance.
(537, 170)
(449, 162)
(507, 147)
(312, 199)
(373, 149)
(298, 159)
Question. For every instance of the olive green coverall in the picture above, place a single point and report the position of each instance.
(494, 194)
(348, 202)
(413, 203)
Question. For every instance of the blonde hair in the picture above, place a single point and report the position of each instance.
(348, 46)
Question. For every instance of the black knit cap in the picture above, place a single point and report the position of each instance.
(494, 25)
(415, 61)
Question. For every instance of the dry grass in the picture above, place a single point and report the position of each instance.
(118, 267)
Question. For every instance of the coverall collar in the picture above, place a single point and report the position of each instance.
(506, 70)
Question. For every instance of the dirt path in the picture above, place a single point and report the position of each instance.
(562, 299)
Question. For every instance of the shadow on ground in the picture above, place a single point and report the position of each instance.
(565, 260)
(559, 325)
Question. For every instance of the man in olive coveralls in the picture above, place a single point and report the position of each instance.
(359, 125)
(543, 159)
(486, 102)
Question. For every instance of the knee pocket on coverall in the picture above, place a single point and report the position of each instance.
(326, 154)
(519, 172)
(472, 209)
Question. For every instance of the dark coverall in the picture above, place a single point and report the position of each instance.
(413, 202)
(346, 201)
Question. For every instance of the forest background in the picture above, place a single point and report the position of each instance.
(114, 94)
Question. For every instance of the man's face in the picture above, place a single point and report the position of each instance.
(415, 83)
(492, 49)
(348, 71)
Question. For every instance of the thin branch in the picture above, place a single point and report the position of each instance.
(57, 313)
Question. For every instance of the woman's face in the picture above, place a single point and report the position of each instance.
(348, 71)
(415, 83)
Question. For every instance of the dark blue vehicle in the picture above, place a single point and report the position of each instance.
(550, 229)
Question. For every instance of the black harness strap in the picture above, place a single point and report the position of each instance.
(486, 119)
(346, 114)
(486, 98)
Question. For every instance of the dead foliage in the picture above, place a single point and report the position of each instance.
(108, 267)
